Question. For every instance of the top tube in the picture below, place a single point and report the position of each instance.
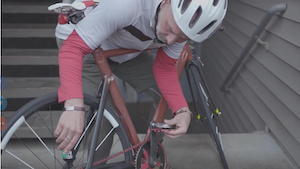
(117, 52)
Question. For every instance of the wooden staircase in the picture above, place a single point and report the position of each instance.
(29, 51)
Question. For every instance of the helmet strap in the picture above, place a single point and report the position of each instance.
(156, 40)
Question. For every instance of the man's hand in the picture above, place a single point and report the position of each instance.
(182, 122)
(69, 127)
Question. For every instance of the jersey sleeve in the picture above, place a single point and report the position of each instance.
(166, 77)
(70, 67)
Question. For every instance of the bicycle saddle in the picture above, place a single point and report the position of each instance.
(65, 8)
(71, 12)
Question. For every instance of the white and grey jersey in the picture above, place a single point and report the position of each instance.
(104, 25)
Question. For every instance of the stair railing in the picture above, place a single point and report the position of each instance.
(272, 10)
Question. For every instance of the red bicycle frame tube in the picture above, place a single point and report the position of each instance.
(101, 61)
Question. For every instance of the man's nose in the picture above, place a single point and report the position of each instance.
(171, 38)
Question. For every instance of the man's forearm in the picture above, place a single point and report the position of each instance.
(168, 82)
(70, 67)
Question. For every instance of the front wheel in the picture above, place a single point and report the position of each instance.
(28, 140)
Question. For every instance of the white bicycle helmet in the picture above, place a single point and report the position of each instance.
(199, 19)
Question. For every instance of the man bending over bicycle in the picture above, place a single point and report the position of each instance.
(135, 24)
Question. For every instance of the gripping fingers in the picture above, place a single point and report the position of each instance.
(58, 130)
(62, 135)
(174, 133)
(64, 144)
(72, 143)
(69, 141)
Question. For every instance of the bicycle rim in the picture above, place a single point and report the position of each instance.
(28, 140)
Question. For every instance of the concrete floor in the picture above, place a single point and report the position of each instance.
(197, 151)
(242, 151)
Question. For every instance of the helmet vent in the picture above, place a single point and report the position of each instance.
(185, 5)
(207, 27)
(196, 17)
(214, 31)
(179, 3)
(215, 3)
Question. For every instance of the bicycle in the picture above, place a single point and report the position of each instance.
(122, 125)
(148, 153)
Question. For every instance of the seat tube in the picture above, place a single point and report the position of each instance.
(101, 61)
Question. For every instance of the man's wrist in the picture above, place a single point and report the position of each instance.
(184, 110)
(72, 108)
(76, 102)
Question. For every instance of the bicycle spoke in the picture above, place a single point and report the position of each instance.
(46, 124)
(52, 134)
(39, 138)
(81, 137)
(85, 130)
(81, 158)
(50, 131)
(42, 142)
(18, 159)
(104, 139)
(30, 151)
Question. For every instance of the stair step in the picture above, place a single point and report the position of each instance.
(30, 87)
(28, 11)
(29, 18)
(29, 52)
(30, 1)
(29, 43)
(29, 60)
(26, 7)
(28, 26)
(29, 57)
(30, 71)
(242, 151)
(28, 30)
(27, 83)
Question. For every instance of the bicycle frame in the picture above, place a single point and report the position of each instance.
(101, 61)
(110, 85)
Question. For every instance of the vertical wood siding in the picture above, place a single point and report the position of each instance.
(266, 89)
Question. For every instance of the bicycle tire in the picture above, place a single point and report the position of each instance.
(31, 109)
(193, 74)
